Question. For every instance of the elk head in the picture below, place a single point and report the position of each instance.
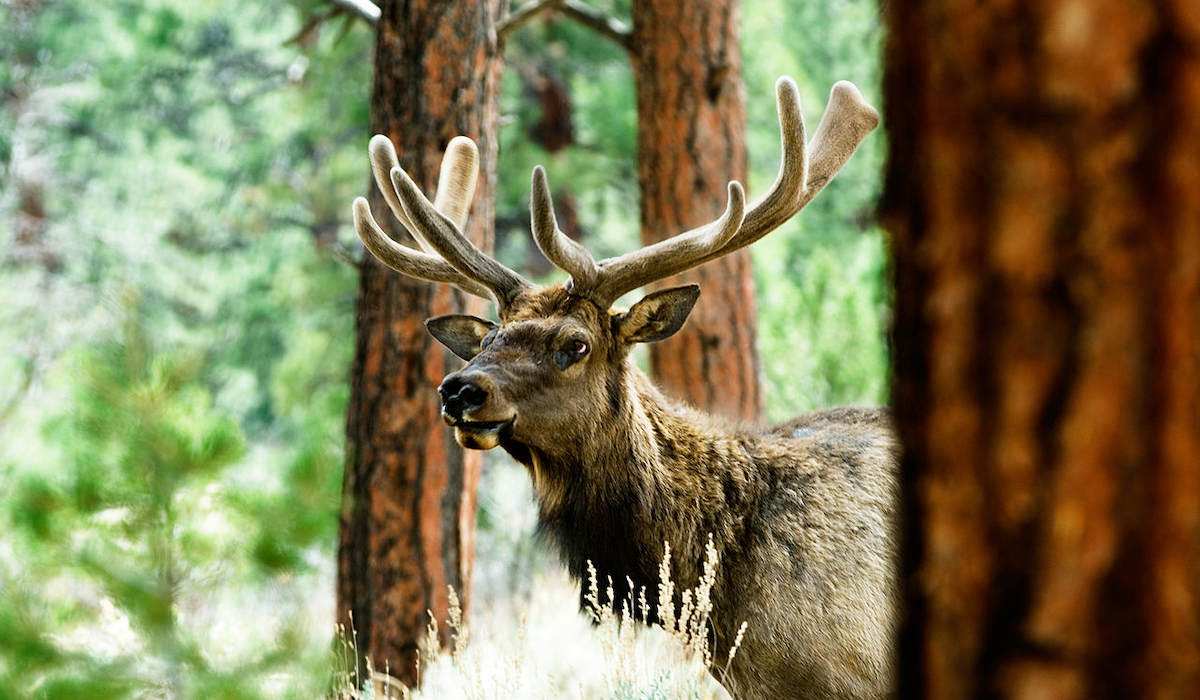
(535, 379)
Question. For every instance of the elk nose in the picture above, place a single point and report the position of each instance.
(459, 396)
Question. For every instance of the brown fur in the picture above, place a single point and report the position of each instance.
(802, 514)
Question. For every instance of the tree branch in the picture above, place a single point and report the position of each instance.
(523, 15)
(607, 27)
(364, 9)
(343, 255)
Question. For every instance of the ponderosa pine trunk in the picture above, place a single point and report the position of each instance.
(691, 124)
(408, 517)
(1043, 200)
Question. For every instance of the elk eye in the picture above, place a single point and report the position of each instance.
(487, 340)
(571, 353)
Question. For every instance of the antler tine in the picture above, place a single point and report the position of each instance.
(554, 244)
(383, 159)
(405, 260)
(448, 241)
(803, 172)
(777, 203)
(846, 122)
(456, 186)
(631, 270)
(806, 170)
(456, 181)
(672, 256)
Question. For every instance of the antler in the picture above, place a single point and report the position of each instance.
(611, 278)
(846, 122)
(447, 255)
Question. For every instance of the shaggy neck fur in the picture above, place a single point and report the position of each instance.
(655, 471)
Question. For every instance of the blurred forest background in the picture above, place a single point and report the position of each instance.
(177, 308)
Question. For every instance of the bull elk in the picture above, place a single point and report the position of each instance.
(802, 515)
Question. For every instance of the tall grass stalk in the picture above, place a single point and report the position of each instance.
(612, 655)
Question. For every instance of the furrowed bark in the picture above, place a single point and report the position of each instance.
(408, 518)
(1042, 201)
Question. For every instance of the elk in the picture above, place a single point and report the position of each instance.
(802, 514)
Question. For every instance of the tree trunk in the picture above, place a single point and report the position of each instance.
(1043, 197)
(408, 518)
(691, 142)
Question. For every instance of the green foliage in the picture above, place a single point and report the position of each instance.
(180, 157)
(120, 555)
(825, 328)
(174, 344)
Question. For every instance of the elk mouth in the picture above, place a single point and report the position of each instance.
(481, 435)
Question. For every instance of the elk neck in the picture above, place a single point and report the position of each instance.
(653, 471)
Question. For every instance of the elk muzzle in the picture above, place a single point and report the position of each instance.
(470, 406)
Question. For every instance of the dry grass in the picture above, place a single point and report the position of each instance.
(550, 651)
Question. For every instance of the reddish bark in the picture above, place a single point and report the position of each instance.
(1043, 197)
(691, 132)
(408, 517)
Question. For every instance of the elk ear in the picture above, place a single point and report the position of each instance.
(462, 334)
(657, 316)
